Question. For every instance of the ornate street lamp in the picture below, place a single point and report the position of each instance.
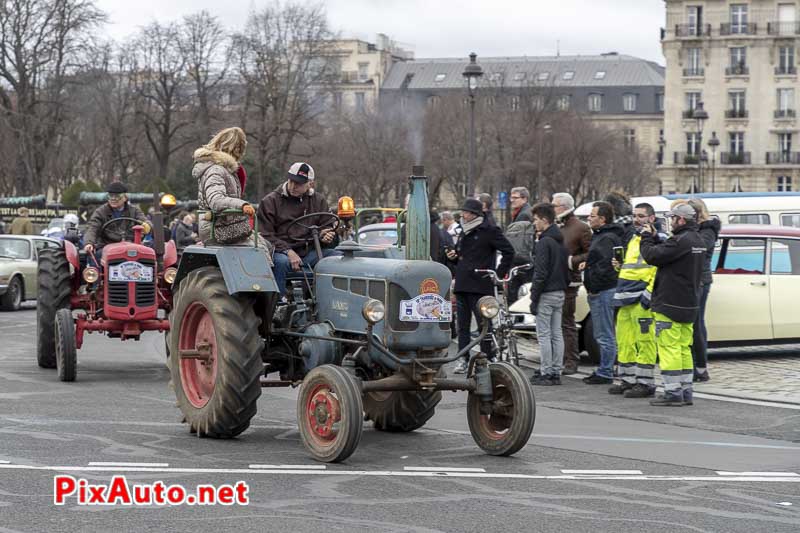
(713, 142)
(472, 72)
(700, 115)
(546, 128)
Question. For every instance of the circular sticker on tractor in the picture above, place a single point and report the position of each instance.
(429, 286)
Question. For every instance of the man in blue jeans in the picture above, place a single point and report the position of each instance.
(600, 280)
(294, 246)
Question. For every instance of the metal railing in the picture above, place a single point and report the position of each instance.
(685, 158)
(737, 70)
(694, 71)
(692, 30)
(728, 28)
(785, 70)
(786, 158)
(735, 113)
(783, 28)
(735, 158)
(785, 113)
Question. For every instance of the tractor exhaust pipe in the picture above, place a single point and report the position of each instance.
(418, 220)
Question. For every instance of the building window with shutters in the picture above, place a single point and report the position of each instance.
(363, 71)
(629, 138)
(630, 102)
(595, 103)
(564, 102)
(784, 184)
(514, 103)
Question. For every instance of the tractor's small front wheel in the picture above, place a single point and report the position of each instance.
(66, 351)
(330, 414)
(508, 427)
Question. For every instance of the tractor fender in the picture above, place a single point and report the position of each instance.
(170, 254)
(72, 255)
(244, 268)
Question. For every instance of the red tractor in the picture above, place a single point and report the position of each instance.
(124, 294)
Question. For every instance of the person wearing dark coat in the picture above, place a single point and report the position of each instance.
(550, 282)
(709, 231)
(477, 248)
(600, 280)
(184, 232)
(117, 206)
(520, 206)
(487, 206)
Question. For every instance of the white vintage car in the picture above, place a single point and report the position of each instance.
(19, 256)
(753, 298)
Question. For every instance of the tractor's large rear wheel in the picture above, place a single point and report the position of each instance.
(508, 427)
(215, 355)
(54, 291)
(401, 411)
(330, 414)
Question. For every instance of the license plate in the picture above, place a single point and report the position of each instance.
(426, 308)
(130, 271)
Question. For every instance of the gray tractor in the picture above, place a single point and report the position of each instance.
(362, 336)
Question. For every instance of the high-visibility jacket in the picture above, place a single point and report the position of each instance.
(636, 277)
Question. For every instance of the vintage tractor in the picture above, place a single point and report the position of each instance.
(363, 337)
(128, 291)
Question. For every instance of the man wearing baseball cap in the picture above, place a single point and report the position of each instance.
(675, 300)
(293, 199)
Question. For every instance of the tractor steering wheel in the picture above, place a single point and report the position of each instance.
(333, 223)
(123, 219)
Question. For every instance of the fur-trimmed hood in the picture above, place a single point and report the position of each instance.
(205, 155)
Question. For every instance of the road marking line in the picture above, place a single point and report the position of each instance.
(441, 469)
(662, 441)
(604, 472)
(776, 474)
(290, 467)
(155, 465)
(391, 473)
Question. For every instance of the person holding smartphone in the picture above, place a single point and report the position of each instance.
(636, 338)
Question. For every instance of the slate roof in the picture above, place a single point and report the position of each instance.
(620, 71)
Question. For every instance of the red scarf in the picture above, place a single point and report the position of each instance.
(242, 175)
(515, 212)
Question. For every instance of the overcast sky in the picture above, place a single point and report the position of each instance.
(449, 28)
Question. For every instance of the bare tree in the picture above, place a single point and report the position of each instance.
(39, 44)
(284, 60)
(206, 49)
(161, 86)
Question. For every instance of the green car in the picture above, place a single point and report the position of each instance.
(19, 256)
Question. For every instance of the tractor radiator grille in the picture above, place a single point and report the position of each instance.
(118, 290)
(146, 292)
(396, 294)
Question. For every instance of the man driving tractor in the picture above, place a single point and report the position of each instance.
(293, 241)
(100, 232)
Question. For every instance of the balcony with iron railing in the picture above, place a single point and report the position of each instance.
(783, 158)
(685, 158)
(694, 71)
(734, 158)
(785, 70)
(688, 113)
(783, 28)
(692, 30)
(352, 76)
(737, 70)
(785, 113)
(736, 113)
(727, 28)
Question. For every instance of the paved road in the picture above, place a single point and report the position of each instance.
(667, 468)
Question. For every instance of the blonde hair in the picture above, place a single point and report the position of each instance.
(701, 209)
(679, 201)
(232, 141)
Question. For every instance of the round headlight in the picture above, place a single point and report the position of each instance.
(169, 274)
(90, 274)
(373, 311)
(488, 306)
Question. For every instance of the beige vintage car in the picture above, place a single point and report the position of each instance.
(19, 255)
(752, 301)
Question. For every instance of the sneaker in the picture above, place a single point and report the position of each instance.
(668, 400)
(594, 379)
(688, 398)
(701, 377)
(545, 381)
(620, 388)
(461, 367)
(640, 391)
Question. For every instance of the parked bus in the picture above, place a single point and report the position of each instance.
(763, 208)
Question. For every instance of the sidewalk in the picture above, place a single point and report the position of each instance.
(773, 375)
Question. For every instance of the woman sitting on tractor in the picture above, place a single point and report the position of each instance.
(221, 179)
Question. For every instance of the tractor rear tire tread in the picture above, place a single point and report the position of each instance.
(234, 400)
(54, 294)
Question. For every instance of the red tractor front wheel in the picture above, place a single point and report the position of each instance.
(215, 355)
